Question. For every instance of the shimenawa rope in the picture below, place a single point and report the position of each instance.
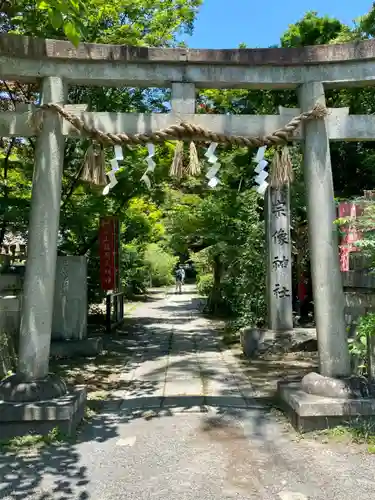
(180, 132)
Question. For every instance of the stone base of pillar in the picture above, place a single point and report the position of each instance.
(87, 348)
(349, 387)
(41, 417)
(310, 412)
(257, 341)
(18, 389)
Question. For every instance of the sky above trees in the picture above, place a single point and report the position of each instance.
(261, 24)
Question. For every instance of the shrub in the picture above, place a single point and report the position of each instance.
(358, 346)
(159, 264)
(205, 284)
(134, 273)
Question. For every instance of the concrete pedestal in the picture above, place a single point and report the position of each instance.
(41, 417)
(255, 341)
(310, 412)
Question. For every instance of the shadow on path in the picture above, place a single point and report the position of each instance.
(158, 330)
(23, 472)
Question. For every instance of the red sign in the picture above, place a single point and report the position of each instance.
(109, 252)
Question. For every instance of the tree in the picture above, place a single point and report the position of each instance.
(137, 22)
(213, 229)
(312, 30)
(130, 22)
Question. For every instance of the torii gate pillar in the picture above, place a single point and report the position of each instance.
(325, 269)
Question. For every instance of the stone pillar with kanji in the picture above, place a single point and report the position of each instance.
(279, 259)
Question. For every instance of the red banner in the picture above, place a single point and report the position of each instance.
(109, 252)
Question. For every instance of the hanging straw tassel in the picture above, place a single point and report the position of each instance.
(100, 169)
(177, 167)
(89, 163)
(194, 167)
(93, 170)
(281, 169)
(275, 174)
(287, 166)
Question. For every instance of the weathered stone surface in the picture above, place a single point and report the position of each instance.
(335, 65)
(10, 282)
(76, 348)
(37, 48)
(311, 412)
(17, 388)
(39, 284)
(358, 279)
(255, 341)
(70, 299)
(66, 412)
(349, 388)
(279, 259)
(10, 315)
(328, 293)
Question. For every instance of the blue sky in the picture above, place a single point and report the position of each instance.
(224, 24)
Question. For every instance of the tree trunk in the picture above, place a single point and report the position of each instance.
(214, 300)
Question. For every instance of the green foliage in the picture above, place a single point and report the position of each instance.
(159, 264)
(129, 22)
(224, 227)
(65, 14)
(205, 283)
(134, 273)
(134, 22)
(311, 30)
(358, 346)
(221, 229)
(202, 262)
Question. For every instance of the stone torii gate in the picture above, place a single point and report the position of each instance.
(57, 64)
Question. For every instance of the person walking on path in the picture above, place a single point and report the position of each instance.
(180, 278)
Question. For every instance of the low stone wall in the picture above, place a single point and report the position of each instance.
(359, 292)
(10, 283)
(70, 307)
(8, 357)
(70, 301)
(10, 306)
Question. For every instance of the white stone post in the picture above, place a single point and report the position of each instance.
(326, 277)
(39, 285)
(279, 259)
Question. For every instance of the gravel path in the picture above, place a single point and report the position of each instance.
(187, 427)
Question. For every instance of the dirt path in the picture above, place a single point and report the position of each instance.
(184, 421)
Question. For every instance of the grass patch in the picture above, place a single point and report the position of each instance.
(37, 441)
(33, 441)
(358, 431)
